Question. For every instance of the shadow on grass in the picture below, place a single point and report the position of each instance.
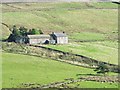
(88, 75)
(3, 40)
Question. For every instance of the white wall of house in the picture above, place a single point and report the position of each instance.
(62, 40)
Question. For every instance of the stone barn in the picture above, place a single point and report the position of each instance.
(54, 38)
(38, 39)
(58, 38)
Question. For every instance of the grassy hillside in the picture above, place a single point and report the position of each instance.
(96, 50)
(81, 22)
(68, 17)
(89, 22)
(5, 33)
(18, 69)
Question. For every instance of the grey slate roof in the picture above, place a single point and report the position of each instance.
(38, 36)
(60, 34)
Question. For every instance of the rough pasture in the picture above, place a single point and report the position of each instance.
(97, 50)
(81, 21)
(73, 18)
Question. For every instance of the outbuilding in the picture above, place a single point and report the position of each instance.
(38, 39)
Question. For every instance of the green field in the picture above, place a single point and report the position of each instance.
(81, 21)
(18, 69)
(95, 23)
(73, 18)
(87, 36)
(97, 50)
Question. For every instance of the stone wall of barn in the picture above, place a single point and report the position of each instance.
(38, 41)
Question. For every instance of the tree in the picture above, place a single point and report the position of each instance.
(102, 68)
(34, 31)
(15, 31)
(23, 31)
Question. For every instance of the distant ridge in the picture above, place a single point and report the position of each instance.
(11, 1)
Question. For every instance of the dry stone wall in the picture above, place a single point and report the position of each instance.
(45, 52)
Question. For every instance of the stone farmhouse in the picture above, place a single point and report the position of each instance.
(58, 38)
(54, 38)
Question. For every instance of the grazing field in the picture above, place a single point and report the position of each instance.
(87, 36)
(81, 21)
(97, 50)
(18, 69)
(73, 18)
(92, 29)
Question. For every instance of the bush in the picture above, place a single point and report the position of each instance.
(15, 31)
(20, 34)
(34, 31)
(23, 31)
(102, 68)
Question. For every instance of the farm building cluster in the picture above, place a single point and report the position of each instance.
(54, 38)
